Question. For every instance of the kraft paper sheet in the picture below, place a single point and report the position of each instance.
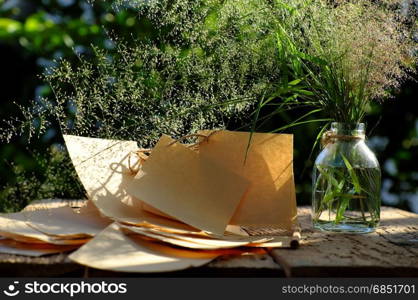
(193, 189)
(9, 246)
(211, 242)
(103, 168)
(270, 200)
(192, 242)
(14, 226)
(119, 252)
(63, 222)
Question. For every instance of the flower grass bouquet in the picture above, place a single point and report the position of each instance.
(337, 58)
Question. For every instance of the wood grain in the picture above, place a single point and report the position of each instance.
(390, 251)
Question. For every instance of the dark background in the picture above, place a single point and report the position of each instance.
(35, 33)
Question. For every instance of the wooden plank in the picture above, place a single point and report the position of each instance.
(258, 265)
(246, 265)
(60, 266)
(400, 228)
(390, 251)
(47, 266)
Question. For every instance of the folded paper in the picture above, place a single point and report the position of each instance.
(180, 207)
(102, 166)
(14, 226)
(9, 246)
(192, 242)
(211, 242)
(207, 200)
(267, 162)
(113, 250)
(65, 223)
(195, 190)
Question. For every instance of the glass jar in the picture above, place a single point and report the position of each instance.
(346, 182)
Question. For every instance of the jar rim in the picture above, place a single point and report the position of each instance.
(353, 126)
(351, 129)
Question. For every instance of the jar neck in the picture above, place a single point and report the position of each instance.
(347, 130)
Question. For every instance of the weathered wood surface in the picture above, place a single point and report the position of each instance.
(391, 251)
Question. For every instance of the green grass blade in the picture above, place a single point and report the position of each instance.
(344, 202)
(353, 175)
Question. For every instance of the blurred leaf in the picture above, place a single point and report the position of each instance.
(34, 24)
(9, 28)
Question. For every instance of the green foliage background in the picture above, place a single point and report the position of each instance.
(209, 57)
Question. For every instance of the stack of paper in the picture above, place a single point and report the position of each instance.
(180, 207)
(183, 207)
(49, 230)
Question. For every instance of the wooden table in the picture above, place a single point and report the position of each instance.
(390, 251)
